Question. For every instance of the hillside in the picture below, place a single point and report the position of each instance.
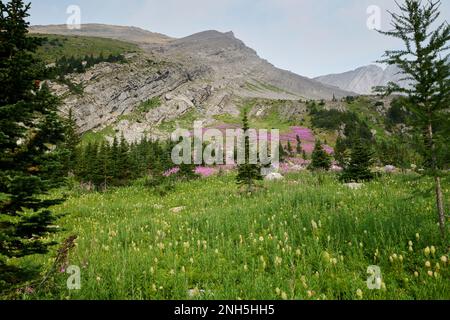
(203, 76)
(129, 34)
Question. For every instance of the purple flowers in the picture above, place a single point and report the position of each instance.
(205, 171)
(171, 172)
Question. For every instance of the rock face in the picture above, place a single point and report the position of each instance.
(202, 76)
(364, 79)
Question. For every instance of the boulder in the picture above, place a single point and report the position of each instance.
(274, 176)
(354, 186)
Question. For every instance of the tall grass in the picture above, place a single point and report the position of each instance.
(302, 238)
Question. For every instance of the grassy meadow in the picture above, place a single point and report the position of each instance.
(307, 237)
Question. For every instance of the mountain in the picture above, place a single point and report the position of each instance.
(204, 76)
(130, 34)
(364, 79)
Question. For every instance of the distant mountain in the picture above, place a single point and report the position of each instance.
(364, 79)
(130, 34)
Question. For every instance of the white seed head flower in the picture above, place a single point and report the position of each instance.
(444, 259)
(426, 251)
(430, 273)
(433, 250)
(410, 243)
(359, 293)
(428, 264)
(416, 274)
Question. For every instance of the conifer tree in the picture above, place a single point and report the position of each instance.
(29, 129)
(299, 145)
(71, 142)
(248, 173)
(358, 169)
(321, 160)
(424, 63)
(289, 148)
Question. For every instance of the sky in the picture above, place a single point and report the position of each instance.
(308, 37)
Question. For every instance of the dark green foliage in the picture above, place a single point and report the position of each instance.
(424, 63)
(289, 148)
(71, 142)
(29, 131)
(248, 173)
(299, 145)
(320, 159)
(358, 169)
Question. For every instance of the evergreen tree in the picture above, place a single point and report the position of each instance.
(29, 130)
(340, 151)
(289, 148)
(321, 160)
(248, 173)
(71, 142)
(299, 145)
(424, 64)
(359, 167)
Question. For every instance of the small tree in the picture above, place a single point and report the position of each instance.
(71, 142)
(289, 148)
(321, 160)
(248, 173)
(299, 145)
(358, 169)
(424, 63)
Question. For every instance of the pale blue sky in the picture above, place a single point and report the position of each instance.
(309, 37)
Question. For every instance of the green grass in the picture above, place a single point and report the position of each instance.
(139, 113)
(280, 243)
(98, 136)
(58, 46)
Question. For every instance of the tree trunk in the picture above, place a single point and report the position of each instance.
(439, 197)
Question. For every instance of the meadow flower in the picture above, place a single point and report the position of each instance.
(284, 296)
(278, 291)
(261, 238)
(410, 243)
(426, 251)
(245, 267)
(444, 259)
(433, 250)
(314, 225)
(417, 237)
(416, 274)
(430, 273)
(428, 264)
(359, 293)
(278, 261)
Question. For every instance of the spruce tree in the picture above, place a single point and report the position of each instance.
(424, 64)
(358, 170)
(320, 159)
(71, 142)
(248, 173)
(289, 148)
(29, 130)
(299, 145)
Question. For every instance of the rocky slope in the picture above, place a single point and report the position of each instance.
(202, 76)
(364, 79)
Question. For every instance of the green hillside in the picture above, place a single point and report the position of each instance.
(58, 46)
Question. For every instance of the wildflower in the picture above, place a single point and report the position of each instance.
(430, 273)
(400, 257)
(444, 259)
(410, 243)
(438, 266)
(326, 256)
(394, 256)
(334, 261)
(245, 267)
(433, 250)
(278, 261)
(98, 279)
(310, 293)
(298, 252)
(359, 293)
(172, 272)
(261, 238)
(278, 291)
(426, 251)
(411, 249)
(416, 274)
(314, 225)
(417, 236)
(428, 264)
(284, 296)
(183, 269)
